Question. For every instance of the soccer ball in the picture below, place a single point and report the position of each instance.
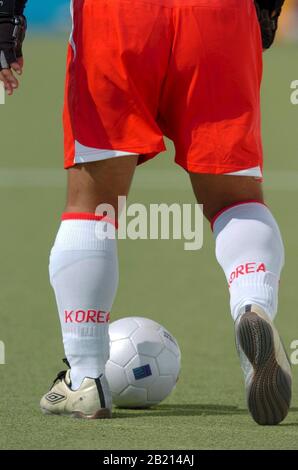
(144, 362)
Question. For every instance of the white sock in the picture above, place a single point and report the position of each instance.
(250, 250)
(84, 275)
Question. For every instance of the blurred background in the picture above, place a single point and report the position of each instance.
(53, 15)
(289, 22)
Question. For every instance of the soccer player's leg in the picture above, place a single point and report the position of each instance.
(84, 276)
(113, 83)
(250, 250)
(214, 121)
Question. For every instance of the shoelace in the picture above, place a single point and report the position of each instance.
(61, 375)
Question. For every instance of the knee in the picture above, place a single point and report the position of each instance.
(217, 192)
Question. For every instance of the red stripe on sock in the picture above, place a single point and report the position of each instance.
(231, 206)
(88, 216)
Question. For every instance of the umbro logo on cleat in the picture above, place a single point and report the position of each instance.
(54, 397)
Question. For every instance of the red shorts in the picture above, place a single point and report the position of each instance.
(139, 70)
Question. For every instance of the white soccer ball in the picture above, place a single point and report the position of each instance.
(144, 362)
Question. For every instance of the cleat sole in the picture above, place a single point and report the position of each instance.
(269, 390)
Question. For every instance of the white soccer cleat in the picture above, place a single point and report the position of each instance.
(91, 401)
(266, 367)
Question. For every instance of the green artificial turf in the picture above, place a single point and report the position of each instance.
(185, 291)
